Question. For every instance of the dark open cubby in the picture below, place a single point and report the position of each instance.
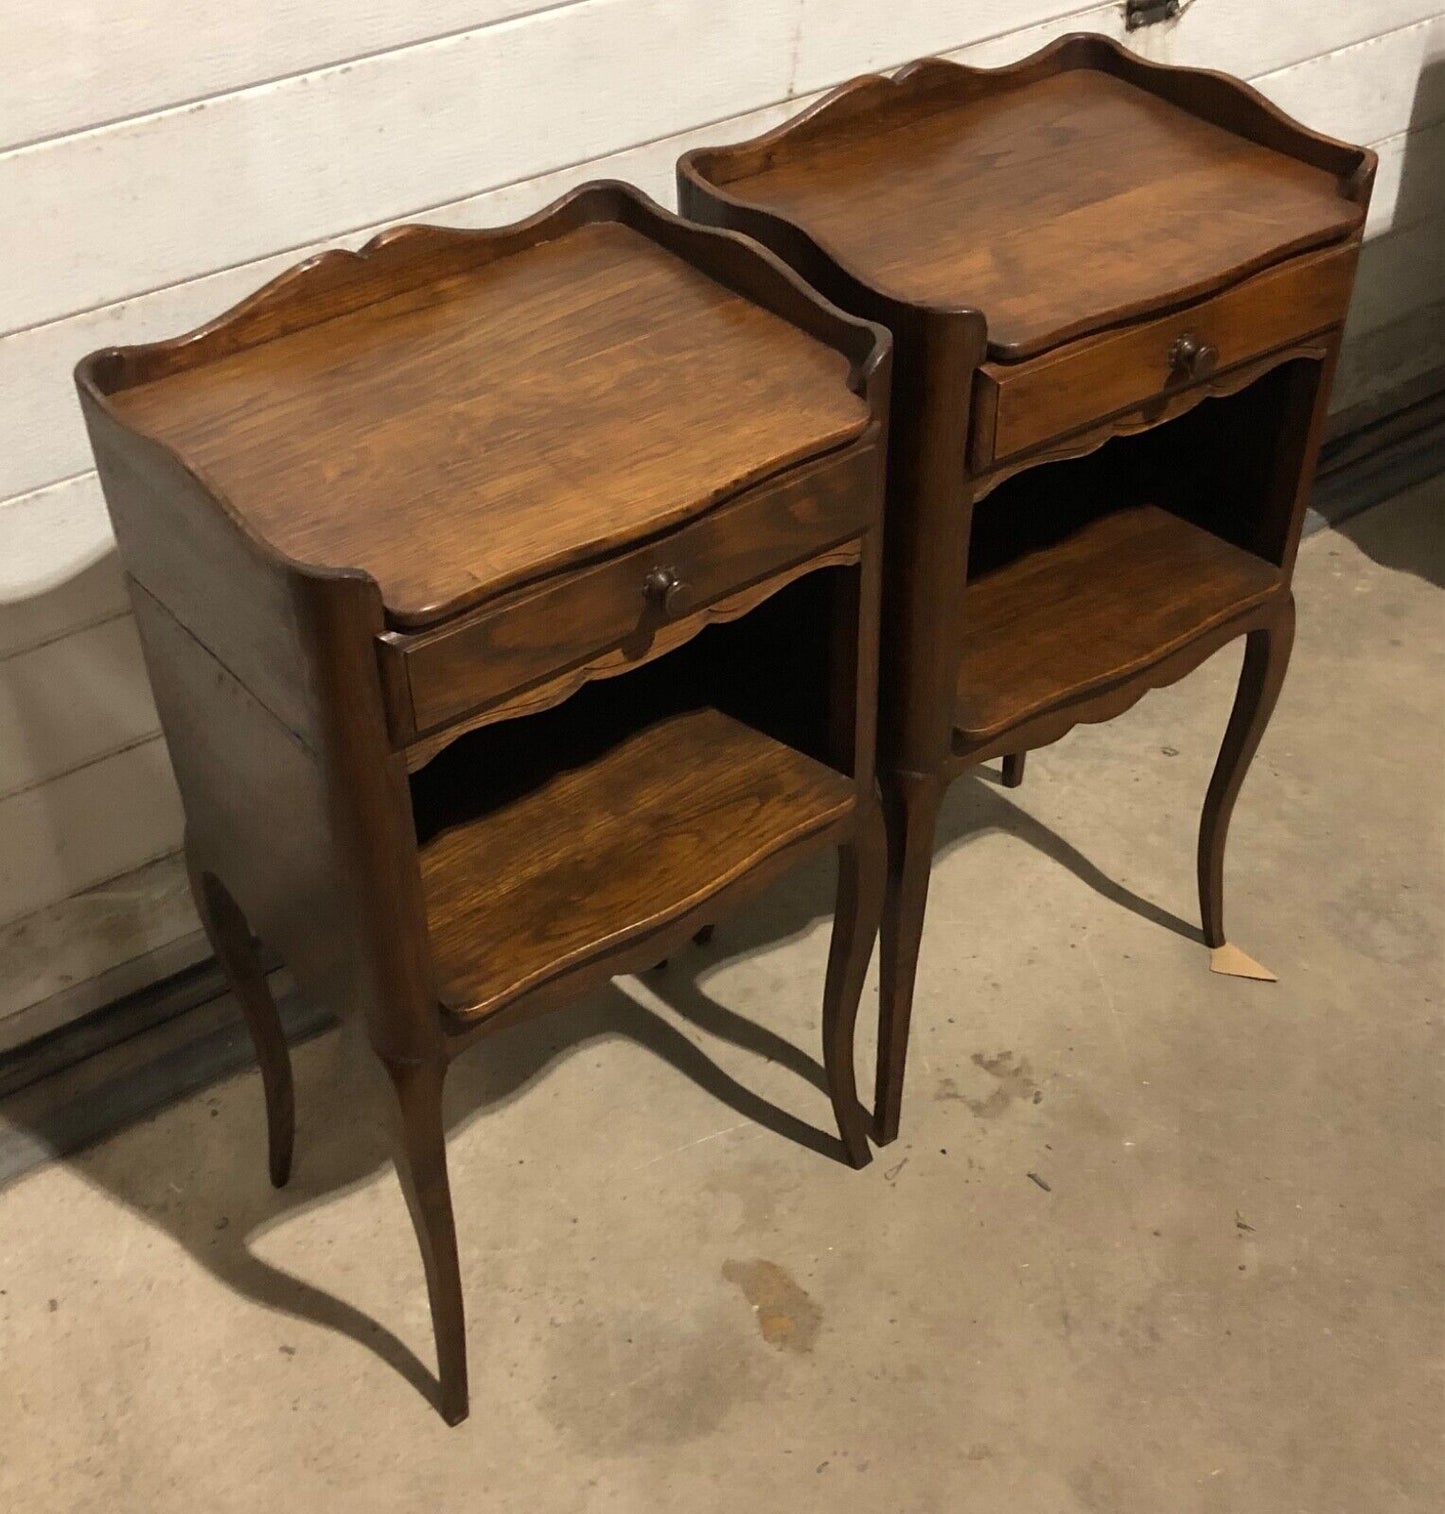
(1215, 466)
(769, 669)
(1083, 572)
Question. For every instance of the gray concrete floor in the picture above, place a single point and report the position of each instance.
(1227, 1298)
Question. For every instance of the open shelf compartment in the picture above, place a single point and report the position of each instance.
(1126, 589)
(674, 812)
(1084, 571)
(549, 840)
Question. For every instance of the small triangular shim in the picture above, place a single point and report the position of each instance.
(1233, 963)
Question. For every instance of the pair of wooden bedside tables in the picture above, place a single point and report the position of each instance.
(512, 598)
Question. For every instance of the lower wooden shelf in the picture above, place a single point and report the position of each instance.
(1123, 591)
(602, 852)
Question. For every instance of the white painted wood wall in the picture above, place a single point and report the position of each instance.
(159, 159)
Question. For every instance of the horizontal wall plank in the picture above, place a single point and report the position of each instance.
(841, 38)
(1376, 365)
(1370, 91)
(77, 831)
(75, 65)
(838, 39)
(1398, 273)
(94, 594)
(143, 921)
(1410, 183)
(162, 198)
(71, 701)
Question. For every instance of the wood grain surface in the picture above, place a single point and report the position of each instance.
(571, 619)
(1126, 590)
(606, 850)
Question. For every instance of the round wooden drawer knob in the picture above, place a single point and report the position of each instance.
(663, 588)
(1191, 358)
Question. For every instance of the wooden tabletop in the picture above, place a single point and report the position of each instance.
(1056, 207)
(461, 438)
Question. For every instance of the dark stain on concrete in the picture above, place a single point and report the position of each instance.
(1013, 1081)
(787, 1317)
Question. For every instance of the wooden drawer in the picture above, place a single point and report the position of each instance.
(1020, 405)
(619, 610)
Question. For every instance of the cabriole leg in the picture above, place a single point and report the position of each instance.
(421, 1166)
(230, 938)
(862, 870)
(913, 801)
(1266, 657)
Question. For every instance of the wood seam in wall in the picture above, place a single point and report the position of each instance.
(10, 653)
(79, 767)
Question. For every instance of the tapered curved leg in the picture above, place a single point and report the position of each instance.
(1266, 657)
(230, 938)
(862, 871)
(421, 1165)
(913, 801)
(1013, 769)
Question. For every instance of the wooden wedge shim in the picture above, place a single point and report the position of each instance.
(1233, 963)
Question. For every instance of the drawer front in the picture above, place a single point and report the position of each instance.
(1020, 405)
(444, 676)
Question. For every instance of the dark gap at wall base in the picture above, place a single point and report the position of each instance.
(130, 1059)
(109, 1025)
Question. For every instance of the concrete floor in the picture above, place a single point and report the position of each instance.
(1227, 1298)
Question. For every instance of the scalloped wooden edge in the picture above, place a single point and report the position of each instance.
(412, 255)
(943, 83)
(370, 274)
(1113, 693)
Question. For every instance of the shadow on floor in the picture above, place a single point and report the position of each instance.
(334, 1154)
(1407, 533)
(340, 1148)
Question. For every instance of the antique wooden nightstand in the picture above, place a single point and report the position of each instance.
(510, 599)
(1116, 292)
